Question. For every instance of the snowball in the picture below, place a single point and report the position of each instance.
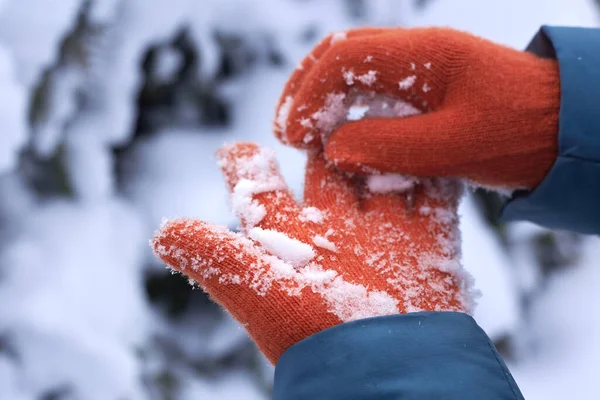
(387, 183)
(332, 113)
(286, 248)
(407, 82)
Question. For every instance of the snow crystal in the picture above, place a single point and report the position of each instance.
(407, 82)
(281, 245)
(379, 106)
(348, 76)
(413, 66)
(311, 214)
(428, 65)
(282, 114)
(444, 215)
(352, 301)
(338, 37)
(257, 174)
(426, 88)
(332, 113)
(367, 79)
(368, 59)
(289, 263)
(317, 276)
(168, 65)
(308, 137)
(387, 183)
(357, 112)
(358, 251)
(322, 241)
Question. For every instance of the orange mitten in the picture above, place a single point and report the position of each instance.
(490, 113)
(345, 254)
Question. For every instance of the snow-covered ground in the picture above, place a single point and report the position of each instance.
(75, 318)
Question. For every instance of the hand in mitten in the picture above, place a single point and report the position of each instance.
(487, 113)
(344, 254)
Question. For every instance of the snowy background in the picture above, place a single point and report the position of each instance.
(110, 112)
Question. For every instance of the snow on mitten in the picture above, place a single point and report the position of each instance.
(490, 113)
(345, 254)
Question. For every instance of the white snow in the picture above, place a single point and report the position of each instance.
(357, 112)
(386, 183)
(349, 76)
(323, 242)
(368, 78)
(12, 114)
(244, 206)
(281, 245)
(351, 301)
(311, 214)
(332, 113)
(256, 174)
(59, 315)
(338, 37)
(282, 114)
(407, 82)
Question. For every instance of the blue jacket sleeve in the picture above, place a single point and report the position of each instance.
(569, 196)
(424, 355)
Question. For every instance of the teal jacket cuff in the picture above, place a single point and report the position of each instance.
(569, 196)
(424, 355)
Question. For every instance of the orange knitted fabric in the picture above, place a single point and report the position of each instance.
(490, 112)
(345, 254)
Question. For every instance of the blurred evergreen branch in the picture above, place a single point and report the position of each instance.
(47, 172)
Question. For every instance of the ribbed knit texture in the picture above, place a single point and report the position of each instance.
(490, 112)
(383, 255)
